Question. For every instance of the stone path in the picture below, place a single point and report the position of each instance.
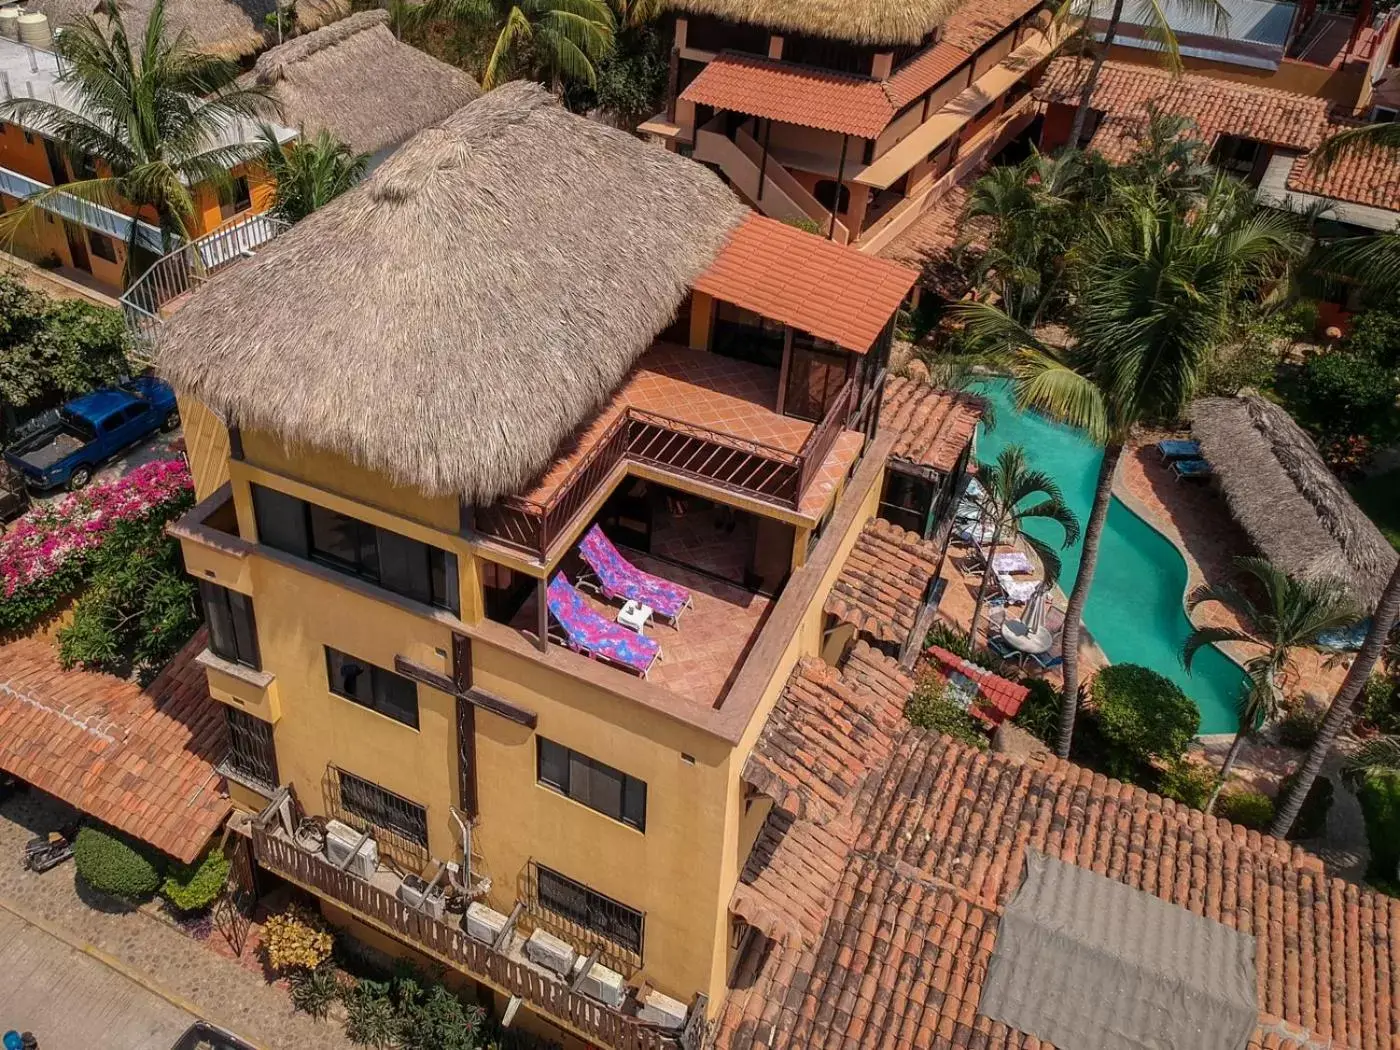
(69, 999)
(225, 991)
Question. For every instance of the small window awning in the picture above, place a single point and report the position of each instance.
(888, 168)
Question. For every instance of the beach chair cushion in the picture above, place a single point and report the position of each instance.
(1018, 591)
(621, 579)
(1179, 449)
(1191, 468)
(589, 632)
(1012, 563)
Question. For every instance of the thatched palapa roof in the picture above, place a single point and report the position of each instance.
(354, 79)
(453, 319)
(858, 21)
(1280, 490)
(226, 28)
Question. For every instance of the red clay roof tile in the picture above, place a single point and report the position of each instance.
(933, 426)
(1362, 176)
(882, 584)
(835, 293)
(141, 760)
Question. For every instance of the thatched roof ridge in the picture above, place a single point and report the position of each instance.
(452, 320)
(1281, 491)
(356, 80)
(858, 21)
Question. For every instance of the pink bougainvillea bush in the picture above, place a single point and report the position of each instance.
(45, 553)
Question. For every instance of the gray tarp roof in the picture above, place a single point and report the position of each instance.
(1087, 963)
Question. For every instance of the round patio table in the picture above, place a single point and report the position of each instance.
(1016, 634)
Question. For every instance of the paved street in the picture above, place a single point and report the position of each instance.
(71, 1000)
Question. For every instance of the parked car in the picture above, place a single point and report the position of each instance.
(92, 429)
(14, 494)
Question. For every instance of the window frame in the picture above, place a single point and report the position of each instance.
(214, 598)
(629, 787)
(379, 688)
(417, 834)
(245, 728)
(594, 904)
(108, 250)
(235, 198)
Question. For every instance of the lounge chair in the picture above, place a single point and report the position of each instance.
(1016, 592)
(1175, 448)
(617, 577)
(1013, 563)
(590, 634)
(1194, 469)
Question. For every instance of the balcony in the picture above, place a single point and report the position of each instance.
(84, 213)
(210, 544)
(502, 964)
(697, 415)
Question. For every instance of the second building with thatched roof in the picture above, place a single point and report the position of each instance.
(526, 467)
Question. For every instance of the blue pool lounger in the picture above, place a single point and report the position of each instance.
(1177, 449)
(1191, 468)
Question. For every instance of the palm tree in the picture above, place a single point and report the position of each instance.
(1152, 16)
(151, 110)
(1013, 495)
(1292, 613)
(1375, 758)
(1157, 286)
(311, 173)
(1339, 714)
(634, 13)
(562, 39)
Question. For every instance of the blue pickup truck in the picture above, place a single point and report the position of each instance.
(92, 429)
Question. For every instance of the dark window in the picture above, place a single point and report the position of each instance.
(578, 904)
(711, 34)
(598, 786)
(235, 197)
(747, 336)
(816, 374)
(373, 687)
(824, 53)
(1237, 156)
(232, 632)
(396, 563)
(832, 196)
(384, 809)
(250, 751)
(102, 247)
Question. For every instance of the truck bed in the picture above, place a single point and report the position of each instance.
(59, 446)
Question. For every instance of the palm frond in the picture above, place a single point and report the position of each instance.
(1352, 140)
(1201, 637)
(1377, 757)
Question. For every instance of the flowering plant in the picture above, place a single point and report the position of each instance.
(46, 552)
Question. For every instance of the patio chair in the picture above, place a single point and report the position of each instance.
(590, 634)
(1193, 469)
(1174, 448)
(617, 578)
(1014, 591)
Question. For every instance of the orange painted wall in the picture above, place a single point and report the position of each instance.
(26, 157)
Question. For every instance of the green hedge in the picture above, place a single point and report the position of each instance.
(1380, 803)
(193, 887)
(1250, 809)
(1142, 716)
(111, 862)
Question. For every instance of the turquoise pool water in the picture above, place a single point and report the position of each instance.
(1135, 608)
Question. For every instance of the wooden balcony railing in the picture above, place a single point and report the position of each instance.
(449, 943)
(735, 464)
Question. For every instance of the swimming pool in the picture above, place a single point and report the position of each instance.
(1135, 609)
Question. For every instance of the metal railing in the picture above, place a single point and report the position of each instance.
(451, 944)
(823, 436)
(145, 303)
(85, 213)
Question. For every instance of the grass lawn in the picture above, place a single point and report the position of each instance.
(1379, 497)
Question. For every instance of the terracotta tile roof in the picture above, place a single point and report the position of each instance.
(975, 24)
(142, 760)
(924, 71)
(1118, 138)
(932, 426)
(833, 292)
(1370, 177)
(930, 243)
(1218, 107)
(824, 734)
(930, 848)
(1002, 697)
(793, 94)
(882, 584)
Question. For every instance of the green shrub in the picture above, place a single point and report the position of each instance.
(1380, 704)
(945, 637)
(139, 608)
(1375, 334)
(1298, 728)
(1312, 818)
(313, 991)
(1380, 805)
(194, 887)
(1251, 809)
(111, 862)
(927, 709)
(1040, 714)
(1143, 716)
(1342, 393)
(434, 1019)
(1188, 782)
(370, 1018)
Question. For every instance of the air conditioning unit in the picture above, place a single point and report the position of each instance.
(483, 923)
(341, 839)
(607, 986)
(662, 1010)
(551, 953)
(417, 894)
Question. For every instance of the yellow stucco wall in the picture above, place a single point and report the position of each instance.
(206, 446)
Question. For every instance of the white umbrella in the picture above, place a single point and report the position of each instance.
(1035, 611)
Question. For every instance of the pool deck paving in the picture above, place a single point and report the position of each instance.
(168, 963)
